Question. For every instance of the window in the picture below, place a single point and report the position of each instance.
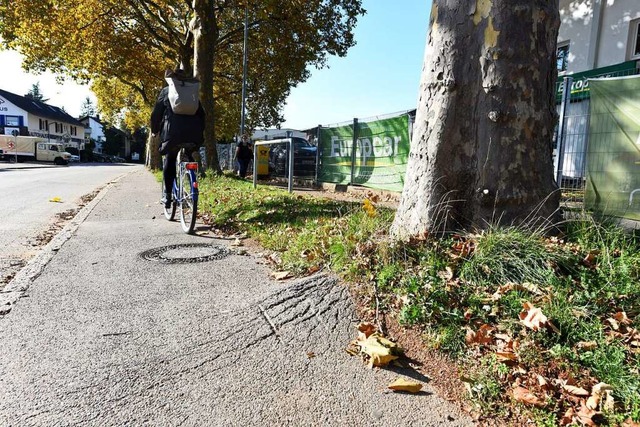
(634, 39)
(562, 56)
(12, 121)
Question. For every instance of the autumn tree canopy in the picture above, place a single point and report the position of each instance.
(124, 46)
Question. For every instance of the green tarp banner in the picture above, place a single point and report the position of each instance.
(580, 85)
(613, 155)
(381, 154)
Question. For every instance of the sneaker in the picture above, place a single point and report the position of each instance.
(166, 201)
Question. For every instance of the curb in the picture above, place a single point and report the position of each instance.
(19, 285)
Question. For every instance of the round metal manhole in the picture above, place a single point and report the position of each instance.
(186, 253)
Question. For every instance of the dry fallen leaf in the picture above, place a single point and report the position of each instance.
(532, 317)
(585, 416)
(401, 384)
(542, 381)
(379, 349)
(622, 318)
(576, 391)
(281, 275)
(311, 354)
(505, 356)
(55, 199)
(567, 418)
(590, 259)
(597, 392)
(586, 345)
(365, 329)
(483, 336)
(523, 395)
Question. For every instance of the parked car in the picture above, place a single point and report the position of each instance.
(304, 158)
(74, 158)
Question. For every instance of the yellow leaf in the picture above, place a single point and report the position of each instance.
(380, 350)
(401, 384)
(55, 199)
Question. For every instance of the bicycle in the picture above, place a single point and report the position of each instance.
(185, 193)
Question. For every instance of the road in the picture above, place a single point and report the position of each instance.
(27, 211)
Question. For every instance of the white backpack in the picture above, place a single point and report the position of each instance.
(183, 95)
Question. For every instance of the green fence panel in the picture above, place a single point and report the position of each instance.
(613, 155)
(382, 150)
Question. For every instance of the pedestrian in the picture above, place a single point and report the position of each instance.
(179, 118)
(244, 155)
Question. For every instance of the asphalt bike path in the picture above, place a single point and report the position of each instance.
(104, 337)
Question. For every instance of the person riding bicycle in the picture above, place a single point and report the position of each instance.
(176, 130)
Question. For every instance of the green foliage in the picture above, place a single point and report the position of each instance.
(35, 93)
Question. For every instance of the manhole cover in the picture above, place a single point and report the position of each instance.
(186, 253)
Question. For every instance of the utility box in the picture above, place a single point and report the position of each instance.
(263, 160)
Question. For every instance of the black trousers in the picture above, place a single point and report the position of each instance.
(169, 165)
(243, 166)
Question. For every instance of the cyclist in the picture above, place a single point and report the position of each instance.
(176, 131)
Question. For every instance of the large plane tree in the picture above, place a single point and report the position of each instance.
(481, 147)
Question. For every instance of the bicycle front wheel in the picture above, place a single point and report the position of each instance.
(189, 203)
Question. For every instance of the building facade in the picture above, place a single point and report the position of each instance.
(96, 128)
(597, 33)
(29, 117)
(597, 38)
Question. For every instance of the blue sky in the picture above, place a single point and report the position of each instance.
(379, 75)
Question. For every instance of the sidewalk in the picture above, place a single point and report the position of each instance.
(107, 338)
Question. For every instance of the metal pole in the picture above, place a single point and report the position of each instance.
(318, 153)
(566, 98)
(244, 69)
(291, 150)
(353, 151)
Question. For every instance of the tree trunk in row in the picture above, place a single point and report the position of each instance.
(481, 147)
(205, 36)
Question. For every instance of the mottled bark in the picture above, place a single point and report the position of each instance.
(153, 158)
(205, 37)
(481, 147)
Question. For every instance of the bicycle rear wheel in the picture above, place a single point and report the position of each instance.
(189, 203)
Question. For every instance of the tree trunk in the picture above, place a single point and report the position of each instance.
(481, 147)
(205, 37)
(153, 157)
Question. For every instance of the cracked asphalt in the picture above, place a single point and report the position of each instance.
(102, 337)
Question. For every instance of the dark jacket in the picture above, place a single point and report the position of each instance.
(176, 129)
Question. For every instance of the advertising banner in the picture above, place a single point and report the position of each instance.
(380, 157)
(613, 155)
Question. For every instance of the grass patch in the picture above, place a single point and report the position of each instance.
(467, 292)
